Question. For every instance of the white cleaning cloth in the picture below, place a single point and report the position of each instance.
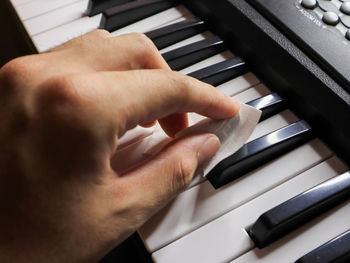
(232, 133)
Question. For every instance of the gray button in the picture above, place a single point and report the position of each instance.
(345, 8)
(310, 4)
(330, 18)
(347, 34)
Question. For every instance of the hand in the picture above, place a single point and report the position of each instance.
(62, 114)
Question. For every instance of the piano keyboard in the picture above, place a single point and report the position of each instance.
(204, 224)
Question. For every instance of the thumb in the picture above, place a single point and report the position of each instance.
(171, 171)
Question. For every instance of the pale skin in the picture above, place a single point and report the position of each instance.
(62, 113)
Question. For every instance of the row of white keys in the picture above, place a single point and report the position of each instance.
(202, 203)
(52, 38)
(39, 7)
(55, 18)
(226, 238)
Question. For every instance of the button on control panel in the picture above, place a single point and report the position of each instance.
(333, 13)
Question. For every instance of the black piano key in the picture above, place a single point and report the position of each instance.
(185, 56)
(98, 6)
(221, 72)
(269, 105)
(336, 250)
(171, 34)
(123, 15)
(302, 208)
(258, 152)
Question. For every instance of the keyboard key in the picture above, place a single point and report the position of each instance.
(123, 15)
(97, 6)
(218, 73)
(188, 55)
(336, 250)
(293, 213)
(171, 34)
(152, 22)
(269, 105)
(260, 151)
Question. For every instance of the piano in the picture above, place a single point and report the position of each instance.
(284, 196)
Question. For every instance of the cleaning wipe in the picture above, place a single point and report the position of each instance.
(232, 133)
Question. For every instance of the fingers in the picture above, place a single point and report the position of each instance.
(140, 97)
(102, 52)
(169, 173)
(174, 123)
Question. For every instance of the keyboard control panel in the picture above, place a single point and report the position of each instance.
(334, 13)
(321, 28)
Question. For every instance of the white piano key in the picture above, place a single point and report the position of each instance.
(202, 203)
(17, 3)
(190, 40)
(155, 21)
(57, 36)
(55, 18)
(225, 238)
(207, 62)
(238, 85)
(39, 7)
(250, 94)
(303, 240)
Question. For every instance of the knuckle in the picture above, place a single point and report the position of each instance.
(147, 51)
(55, 96)
(185, 173)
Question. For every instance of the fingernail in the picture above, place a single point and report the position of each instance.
(210, 146)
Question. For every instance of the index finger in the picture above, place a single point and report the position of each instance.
(130, 98)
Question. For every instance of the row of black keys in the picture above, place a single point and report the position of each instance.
(291, 214)
(279, 220)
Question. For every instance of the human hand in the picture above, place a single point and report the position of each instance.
(62, 114)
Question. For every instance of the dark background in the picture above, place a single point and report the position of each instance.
(13, 39)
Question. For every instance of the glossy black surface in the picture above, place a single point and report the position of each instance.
(302, 208)
(190, 54)
(259, 152)
(219, 73)
(171, 34)
(98, 6)
(336, 250)
(269, 105)
(123, 15)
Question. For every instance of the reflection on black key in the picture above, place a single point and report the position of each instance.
(123, 15)
(171, 34)
(190, 54)
(269, 105)
(258, 152)
(97, 6)
(291, 214)
(336, 250)
(221, 72)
